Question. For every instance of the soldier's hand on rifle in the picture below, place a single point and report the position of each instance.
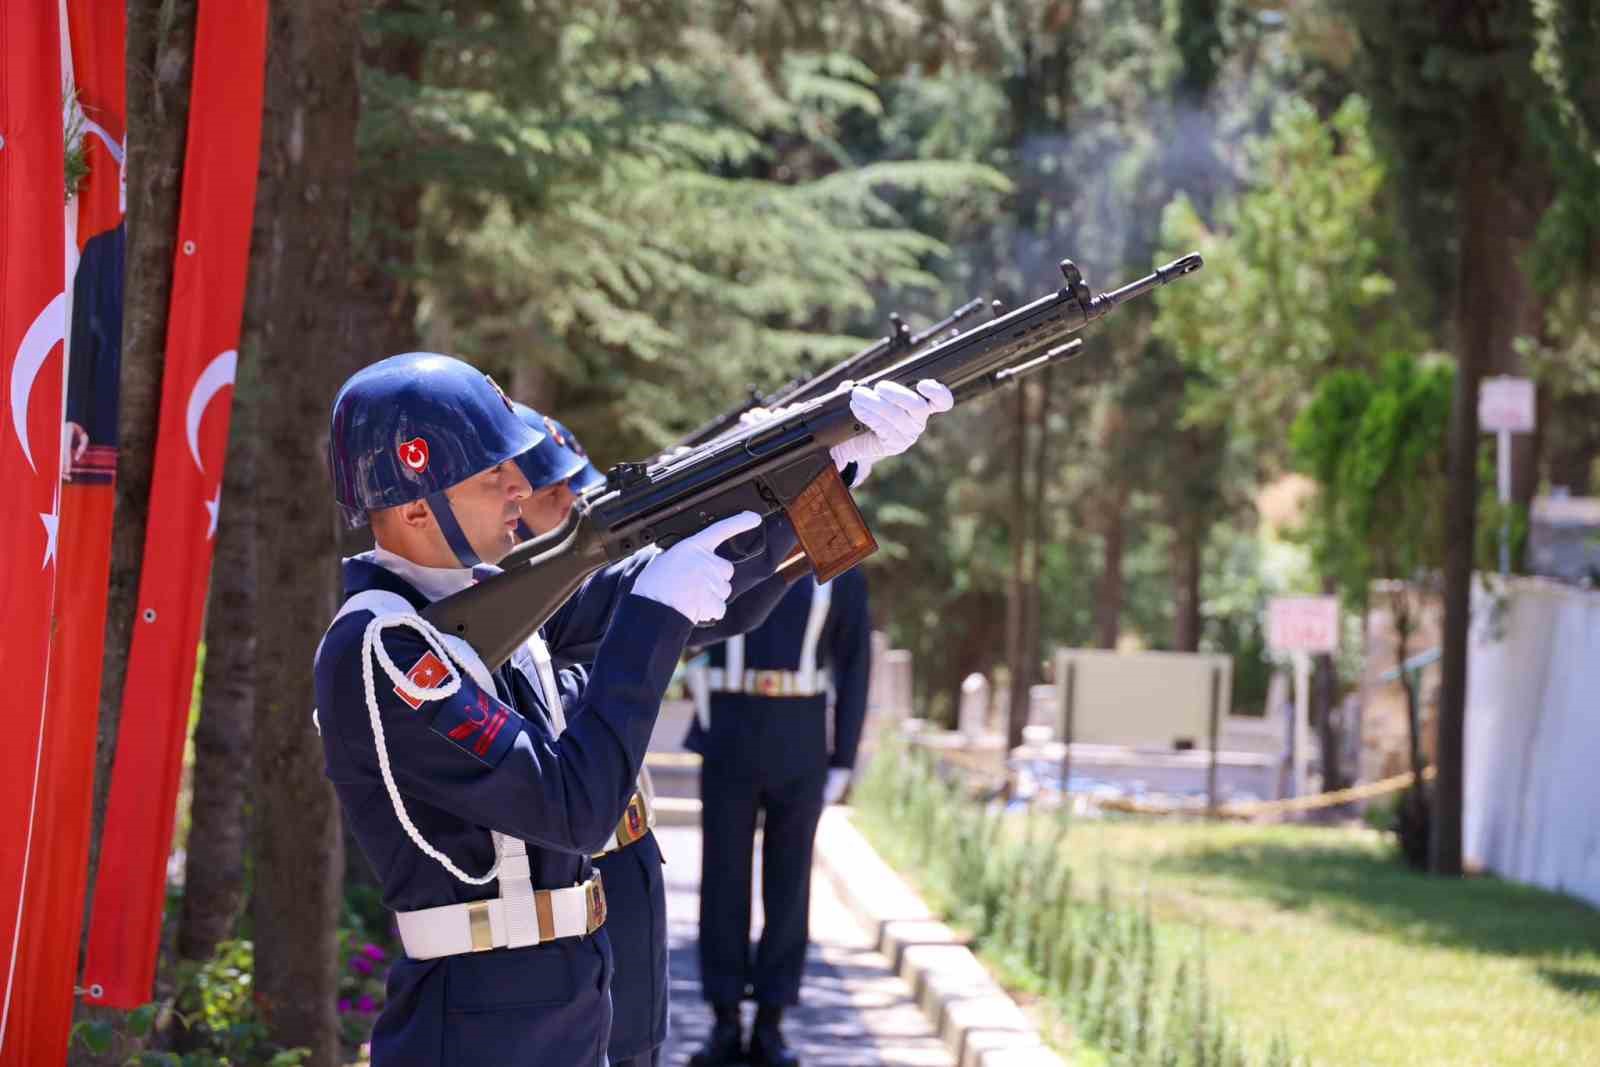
(690, 578)
(894, 417)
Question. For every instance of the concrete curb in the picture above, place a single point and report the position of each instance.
(677, 811)
(976, 1019)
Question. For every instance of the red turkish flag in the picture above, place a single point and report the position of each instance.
(208, 289)
(47, 956)
(32, 326)
(426, 673)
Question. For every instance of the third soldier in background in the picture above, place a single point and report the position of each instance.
(763, 732)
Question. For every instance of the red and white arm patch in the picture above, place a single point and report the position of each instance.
(478, 724)
(474, 721)
(427, 673)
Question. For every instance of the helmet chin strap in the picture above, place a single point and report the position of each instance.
(451, 529)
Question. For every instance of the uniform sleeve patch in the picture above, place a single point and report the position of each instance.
(478, 724)
(426, 673)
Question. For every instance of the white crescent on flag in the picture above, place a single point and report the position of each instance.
(42, 335)
(218, 373)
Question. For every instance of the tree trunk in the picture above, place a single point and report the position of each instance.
(1033, 640)
(160, 64)
(1113, 501)
(1108, 588)
(213, 896)
(1486, 255)
(1324, 700)
(298, 332)
(1402, 632)
(1016, 611)
(1188, 535)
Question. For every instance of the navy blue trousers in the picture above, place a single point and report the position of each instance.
(527, 1007)
(730, 798)
(636, 921)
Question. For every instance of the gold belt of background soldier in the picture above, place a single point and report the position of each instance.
(772, 683)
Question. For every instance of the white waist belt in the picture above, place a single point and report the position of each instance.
(455, 929)
(763, 683)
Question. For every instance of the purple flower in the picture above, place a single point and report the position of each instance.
(360, 964)
(366, 1004)
(344, 1006)
(372, 952)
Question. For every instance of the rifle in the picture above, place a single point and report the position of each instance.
(900, 342)
(778, 465)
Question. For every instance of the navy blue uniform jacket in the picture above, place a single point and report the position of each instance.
(786, 737)
(544, 1004)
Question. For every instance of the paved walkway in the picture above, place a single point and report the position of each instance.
(855, 1011)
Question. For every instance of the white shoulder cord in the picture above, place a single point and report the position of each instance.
(372, 648)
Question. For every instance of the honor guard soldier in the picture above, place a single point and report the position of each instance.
(477, 809)
(558, 471)
(762, 731)
(476, 801)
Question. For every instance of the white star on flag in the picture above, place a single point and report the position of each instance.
(51, 524)
(214, 505)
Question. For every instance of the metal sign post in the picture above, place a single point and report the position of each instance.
(1302, 626)
(1505, 406)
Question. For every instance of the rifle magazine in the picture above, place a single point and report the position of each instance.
(829, 525)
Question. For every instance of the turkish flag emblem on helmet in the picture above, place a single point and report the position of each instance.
(414, 454)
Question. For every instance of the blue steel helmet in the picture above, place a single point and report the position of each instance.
(557, 458)
(588, 475)
(409, 427)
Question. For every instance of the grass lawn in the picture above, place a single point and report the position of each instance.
(1323, 936)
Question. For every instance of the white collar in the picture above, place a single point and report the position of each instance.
(435, 583)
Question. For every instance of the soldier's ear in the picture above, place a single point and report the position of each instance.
(416, 514)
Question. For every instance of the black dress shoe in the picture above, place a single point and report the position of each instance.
(767, 1046)
(725, 1046)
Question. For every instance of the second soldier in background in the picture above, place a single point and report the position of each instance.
(558, 470)
(763, 732)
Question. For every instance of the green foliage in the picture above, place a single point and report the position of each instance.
(76, 161)
(1129, 997)
(629, 203)
(215, 1000)
(1375, 445)
(1428, 71)
(1568, 38)
(95, 1035)
(1297, 280)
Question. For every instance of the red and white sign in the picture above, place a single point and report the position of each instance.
(1303, 624)
(1506, 404)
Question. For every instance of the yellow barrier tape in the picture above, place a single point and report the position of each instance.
(1289, 805)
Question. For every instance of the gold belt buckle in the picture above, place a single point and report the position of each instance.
(594, 895)
(478, 926)
(769, 683)
(636, 818)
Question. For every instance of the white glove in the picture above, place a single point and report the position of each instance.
(838, 782)
(894, 417)
(690, 578)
